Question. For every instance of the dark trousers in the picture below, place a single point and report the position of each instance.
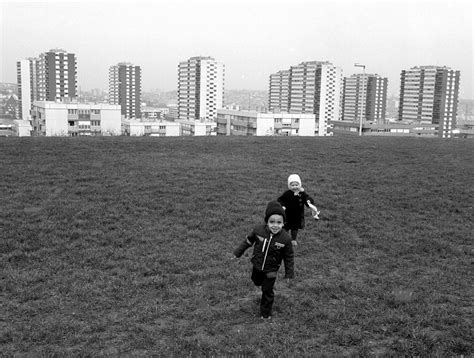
(293, 233)
(260, 278)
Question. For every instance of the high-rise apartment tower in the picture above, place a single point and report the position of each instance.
(26, 83)
(50, 77)
(368, 91)
(125, 88)
(430, 94)
(278, 98)
(200, 88)
(309, 87)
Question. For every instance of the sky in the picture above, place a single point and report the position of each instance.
(252, 38)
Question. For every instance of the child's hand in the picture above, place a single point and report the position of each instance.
(316, 214)
(294, 242)
(314, 210)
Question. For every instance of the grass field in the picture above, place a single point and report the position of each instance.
(122, 246)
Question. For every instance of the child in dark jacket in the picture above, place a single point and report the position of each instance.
(271, 245)
(293, 201)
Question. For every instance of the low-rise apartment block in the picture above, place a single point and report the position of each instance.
(74, 119)
(21, 128)
(152, 113)
(197, 128)
(151, 128)
(395, 129)
(464, 128)
(252, 123)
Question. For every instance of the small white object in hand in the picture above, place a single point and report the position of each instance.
(314, 210)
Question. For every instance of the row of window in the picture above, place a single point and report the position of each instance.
(85, 125)
(83, 111)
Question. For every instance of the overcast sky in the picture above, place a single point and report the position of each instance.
(252, 38)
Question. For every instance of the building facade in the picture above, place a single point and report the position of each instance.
(152, 113)
(151, 128)
(50, 77)
(252, 123)
(11, 107)
(200, 88)
(366, 93)
(75, 119)
(57, 73)
(397, 129)
(197, 128)
(22, 128)
(465, 128)
(313, 87)
(278, 94)
(430, 94)
(125, 88)
(26, 83)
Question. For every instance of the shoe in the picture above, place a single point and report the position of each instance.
(268, 317)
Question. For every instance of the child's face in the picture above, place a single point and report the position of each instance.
(275, 223)
(295, 186)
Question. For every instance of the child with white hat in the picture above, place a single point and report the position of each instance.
(293, 201)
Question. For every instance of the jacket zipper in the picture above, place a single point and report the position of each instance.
(263, 248)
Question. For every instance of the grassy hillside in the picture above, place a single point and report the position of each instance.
(122, 246)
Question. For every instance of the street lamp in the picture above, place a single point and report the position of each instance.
(363, 95)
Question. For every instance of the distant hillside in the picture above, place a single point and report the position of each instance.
(8, 88)
(245, 99)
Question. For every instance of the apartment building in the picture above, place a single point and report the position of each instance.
(125, 88)
(197, 128)
(397, 129)
(430, 94)
(151, 128)
(312, 87)
(75, 119)
(253, 123)
(464, 128)
(52, 76)
(200, 88)
(364, 95)
(26, 83)
(152, 113)
(21, 128)
(278, 94)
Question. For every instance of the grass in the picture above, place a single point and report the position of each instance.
(121, 246)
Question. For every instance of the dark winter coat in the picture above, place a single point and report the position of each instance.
(269, 250)
(294, 208)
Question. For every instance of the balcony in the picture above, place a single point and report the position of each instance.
(239, 122)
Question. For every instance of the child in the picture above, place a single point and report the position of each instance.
(271, 245)
(293, 201)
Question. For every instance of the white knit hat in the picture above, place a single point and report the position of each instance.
(294, 178)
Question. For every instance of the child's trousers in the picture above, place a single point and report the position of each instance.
(260, 278)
